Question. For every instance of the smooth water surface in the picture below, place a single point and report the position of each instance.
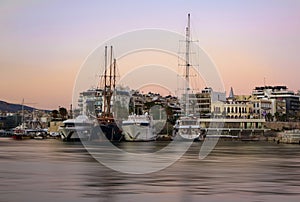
(51, 170)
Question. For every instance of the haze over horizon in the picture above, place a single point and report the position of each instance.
(44, 43)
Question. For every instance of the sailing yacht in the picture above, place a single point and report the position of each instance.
(187, 126)
(106, 121)
(30, 129)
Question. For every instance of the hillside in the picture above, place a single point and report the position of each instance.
(9, 107)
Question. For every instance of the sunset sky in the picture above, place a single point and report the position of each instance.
(44, 43)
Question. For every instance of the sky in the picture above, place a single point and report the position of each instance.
(44, 43)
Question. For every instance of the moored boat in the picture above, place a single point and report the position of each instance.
(107, 122)
(76, 129)
(187, 128)
(139, 128)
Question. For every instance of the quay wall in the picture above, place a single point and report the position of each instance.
(282, 125)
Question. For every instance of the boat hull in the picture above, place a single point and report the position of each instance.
(138, 133)
(75, 134)
(189, 133)
(112, 132)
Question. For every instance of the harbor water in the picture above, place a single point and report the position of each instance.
(52, 170)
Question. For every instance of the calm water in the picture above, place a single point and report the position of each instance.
(50, 170)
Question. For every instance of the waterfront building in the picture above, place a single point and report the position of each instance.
(137, 102)
(234, 106)
(209, 101)
(238, 106)
(237, 109)
(54, 125)
(10, 121)
(260, 108)
(90, 102)
(120, 102)
(281, 95)
(242, 106)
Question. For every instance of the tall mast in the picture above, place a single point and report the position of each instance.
(187, 63)
(109, 88)
(105, 75)
(114, 83)
(110, 66)
(23, 126)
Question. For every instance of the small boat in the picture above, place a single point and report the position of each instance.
(29, 130)
(76, 129)
(20, 133)
(37, 133)
(139, 128)
(187, 128)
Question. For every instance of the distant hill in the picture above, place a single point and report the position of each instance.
(9, 107)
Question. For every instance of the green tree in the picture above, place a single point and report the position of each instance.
(54, 114)
(269, 117)
(283, 117)
(63, 112)
(277, 116)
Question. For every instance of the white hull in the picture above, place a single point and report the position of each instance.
(75, 129)
(188, 134)
(190, 137)
(187, 128)
(72, 133)
(139, 128)
(138, 133)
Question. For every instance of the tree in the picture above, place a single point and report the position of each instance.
(63, 112)
(283, 118)
(269, 117)
(54, 113)
(276, 116)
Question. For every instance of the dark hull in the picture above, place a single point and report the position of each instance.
(21, 137)
(110, 131)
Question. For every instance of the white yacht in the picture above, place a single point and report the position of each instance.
(188, 128)
(76, 129)
(139, 128)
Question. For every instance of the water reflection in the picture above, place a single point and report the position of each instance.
(50, 170)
